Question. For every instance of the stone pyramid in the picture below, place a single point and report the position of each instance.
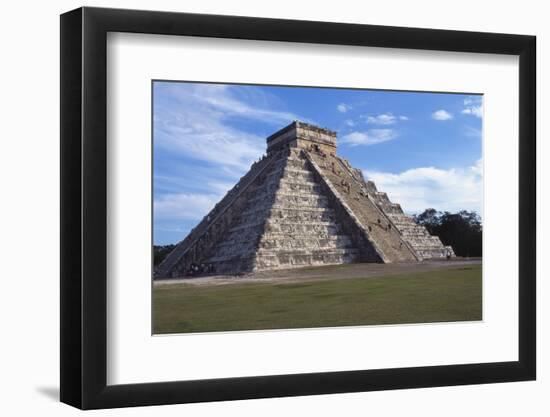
(301, 205)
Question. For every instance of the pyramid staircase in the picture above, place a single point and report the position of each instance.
(418, 237)
(286, 223)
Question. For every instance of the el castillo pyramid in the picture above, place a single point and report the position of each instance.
(301, 205)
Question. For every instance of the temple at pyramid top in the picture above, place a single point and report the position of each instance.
(300, 205)
(302, 135)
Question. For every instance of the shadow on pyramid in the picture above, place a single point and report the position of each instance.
(300, 205)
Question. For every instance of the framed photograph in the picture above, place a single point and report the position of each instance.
(257, 208)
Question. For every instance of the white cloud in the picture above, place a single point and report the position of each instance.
(191, 135)
(428, 187)
(220, 100)
(382, 119)
(370, 137)
(192, 120)
(343, 107)
(474, 111)
(473, 106)
(184, 206)
(441, 115)
(350, 123)
(472, 132)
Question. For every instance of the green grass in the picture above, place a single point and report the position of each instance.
(435, 296)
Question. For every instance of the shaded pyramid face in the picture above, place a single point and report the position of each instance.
(301, 205)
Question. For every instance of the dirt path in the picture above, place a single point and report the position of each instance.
(358, 270)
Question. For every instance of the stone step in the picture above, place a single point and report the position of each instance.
(429, 239)
(289, 231)
(302, 215)
(282, 212)
(287, 186)
(269, 184)
(313, 252)
(299, 199)
(421, 231)
(433, 244)
(242, 227)
(288, 200)
(405, 221)
(294, 161)
(407, 226)
(415, 235)
(299, 175)
(305, 242)
(301, 227)
(297, 235)
(295, 259)
(430, 248)
(292, 182)
(291, 187)
(230, 248)
(299, 163)
(283, 253)
(300, 205)
(292, 171)
(431, 254)
(312, 201)
(231, 257)
(285, 226)
(232, 265)
(289, 239)
(233, 250)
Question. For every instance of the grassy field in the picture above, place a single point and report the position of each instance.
(435, 296)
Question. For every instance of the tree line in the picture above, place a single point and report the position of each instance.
(462, 230)
(160, 252)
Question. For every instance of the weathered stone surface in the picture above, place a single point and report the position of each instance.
(298, 206)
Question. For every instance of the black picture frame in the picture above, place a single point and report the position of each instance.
(84, 207)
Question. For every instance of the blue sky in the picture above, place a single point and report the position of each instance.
(423, 149)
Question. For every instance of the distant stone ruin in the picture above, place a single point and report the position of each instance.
(300, 205)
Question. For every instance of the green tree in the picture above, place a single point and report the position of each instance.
(160, 252)
(463, 230)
